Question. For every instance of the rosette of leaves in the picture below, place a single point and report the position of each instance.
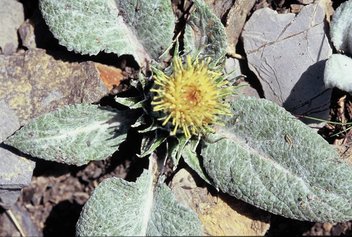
(260, 154)
(276, 162)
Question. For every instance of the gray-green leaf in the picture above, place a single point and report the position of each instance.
(175, 149)
(151, 141)
(268, 158)
(338, 71)
(74, 134)
(121, 208)
(205, 33)
(190, 157)
(341, 27)
(138, 27)
(130, 102)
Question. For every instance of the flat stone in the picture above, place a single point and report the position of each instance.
(235, 21)
(234, 75)
(9, 122)
(15, 173)
(219, 8)
(8, 197)
(235, 13)
(221, 215)
(34, 83)
(26, 33)
(296, 8)
(11, 17)
(110, 76)
(288, 53)
(232, 69)
(306, 1)
(23, 217)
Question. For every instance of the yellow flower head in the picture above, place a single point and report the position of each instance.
(191, 98)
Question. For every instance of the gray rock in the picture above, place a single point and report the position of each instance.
(11, 17)
(338, 72)
(235, 21)
(232, 69)
(8, 197)
(34, 83)
(234, 75)
(306, 1)
(23, 217)
(287, 53)
(26, 33)
(9, 122)
(15, 173)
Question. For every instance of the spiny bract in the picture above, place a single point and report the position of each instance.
(192, 97)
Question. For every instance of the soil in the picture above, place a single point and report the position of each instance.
(51, 205)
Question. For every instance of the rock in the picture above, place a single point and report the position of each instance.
(110, 76)
(232, 69)
(341, 28)
(233, 73)
(296, 8)
(219, 8)
(235, 13)
(11, 17)
(9, 122)
(338, 72)
(26, 33)
(244, 88)
(220, 214)
(345, 152)
(34, 83)
(328, 8)
(15, 173)
(235, 21)
(22, 216)
(305, 2)
(288, 53)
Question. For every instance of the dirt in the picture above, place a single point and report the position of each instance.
(51, 205)
(57, 193)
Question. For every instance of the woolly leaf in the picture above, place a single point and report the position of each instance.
(74, 134)
(205, 33)
(130, 102)
(337, 72)
(121, 208)
(176, 148)
(341, 27)
(190, 157)
(151, 141)
(141, 28)
(268, 158)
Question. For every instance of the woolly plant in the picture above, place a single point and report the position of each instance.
(249, 148)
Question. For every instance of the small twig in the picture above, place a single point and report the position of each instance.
(170, 46)
(165, 159)
(15, 222)
(233, 54)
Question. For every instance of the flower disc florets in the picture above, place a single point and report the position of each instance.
(191, 98)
